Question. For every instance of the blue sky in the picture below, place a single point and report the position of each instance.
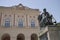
(52, 6)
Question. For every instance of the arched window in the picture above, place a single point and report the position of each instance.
(5, 37)
(34, 37)
(20, 23)
(32, 23)
(7, 22)
(20, 37)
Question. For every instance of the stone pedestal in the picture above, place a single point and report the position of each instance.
(53, 33)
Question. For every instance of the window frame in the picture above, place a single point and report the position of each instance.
(20, 23)
(32, 23)
(7, 22)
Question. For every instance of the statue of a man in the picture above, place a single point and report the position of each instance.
(45, 19)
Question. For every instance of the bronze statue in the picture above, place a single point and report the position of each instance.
(45, 19)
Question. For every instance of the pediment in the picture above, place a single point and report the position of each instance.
(19, 7)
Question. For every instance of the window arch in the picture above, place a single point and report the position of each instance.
(7, 22)
(34, 37)
(5, 37)
(32, 23)
(20, 37)
(20, 23)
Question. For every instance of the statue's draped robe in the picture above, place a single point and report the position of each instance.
(45, 19)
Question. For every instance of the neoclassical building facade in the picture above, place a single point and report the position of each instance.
(19, 23)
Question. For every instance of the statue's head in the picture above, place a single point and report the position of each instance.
(44, 10)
